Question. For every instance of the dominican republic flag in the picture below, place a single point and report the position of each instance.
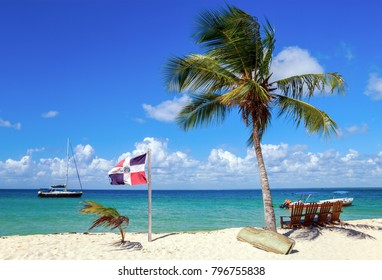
(129, 171)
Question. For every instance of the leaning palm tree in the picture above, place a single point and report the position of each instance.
(109, 217)
(234, 74)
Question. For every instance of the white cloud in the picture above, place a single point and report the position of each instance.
(274, 152)
(84, 153)
(167, 110)
(139, 120)
(226, 162)
(353, 154)
(31, 151)
(294, 61)
(49, 114)
(356, 129)
(287, 166)
(5, 123)
(17, 167)
(353, 130)
(347, 51)
(374, 87)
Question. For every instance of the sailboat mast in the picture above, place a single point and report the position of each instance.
(67, 164)
(75, 164)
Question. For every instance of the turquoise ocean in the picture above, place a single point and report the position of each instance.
(22, 212)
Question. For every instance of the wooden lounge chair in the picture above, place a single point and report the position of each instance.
(336, 212)
(295, 216)
(310, 213)
(323, 214)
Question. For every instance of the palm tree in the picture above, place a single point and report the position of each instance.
(109, 217)
(234, 73)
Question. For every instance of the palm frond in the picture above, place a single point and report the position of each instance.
(306, 85)
(118, 221)
(231, 35)
(246, 95)
(235, 96)
(197, 73)
(202, 110)
(109, 221)
(91, 207)
(216, 27)
(314, 119)
(268, 46)
(104, 221)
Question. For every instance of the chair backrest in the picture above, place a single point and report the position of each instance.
(310, 213)
(337, 206)
(336, 211)
(324, 212)
(296, 214)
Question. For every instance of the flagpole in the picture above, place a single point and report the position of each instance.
(149, 196)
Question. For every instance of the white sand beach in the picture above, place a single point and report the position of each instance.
(360, 240)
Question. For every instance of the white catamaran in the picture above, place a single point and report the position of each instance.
(61, 190)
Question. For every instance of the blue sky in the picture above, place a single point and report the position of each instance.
(93, 71)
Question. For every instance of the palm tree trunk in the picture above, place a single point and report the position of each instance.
(269, 212)
(122, 234)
